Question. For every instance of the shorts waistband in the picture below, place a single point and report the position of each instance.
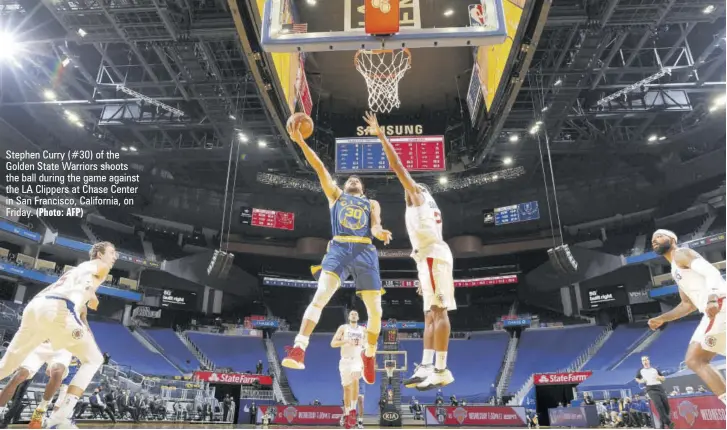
(352, 239)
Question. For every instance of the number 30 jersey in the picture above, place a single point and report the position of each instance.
(424, 226)
(351, 216)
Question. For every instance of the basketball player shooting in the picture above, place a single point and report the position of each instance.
(701, 288)
(354, 219)
(434, 266)
(350, 338)
(53, 315)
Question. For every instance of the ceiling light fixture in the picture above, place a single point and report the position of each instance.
(9, 46)
(50, 95)
(514, 138)
(653, 138)
(448, 12)
(507, 161)
(261, 143)
(709, 9)
(81, 32)
(132, 148)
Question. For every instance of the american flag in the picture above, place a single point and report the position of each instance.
(295, 28)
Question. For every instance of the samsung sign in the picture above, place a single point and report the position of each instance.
(606, 297)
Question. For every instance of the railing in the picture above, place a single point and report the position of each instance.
(197, 352)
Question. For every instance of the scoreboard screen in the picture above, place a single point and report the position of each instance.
(267, 218)
(511, 214)
(366, 155)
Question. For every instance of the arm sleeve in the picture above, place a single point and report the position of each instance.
(715, 283)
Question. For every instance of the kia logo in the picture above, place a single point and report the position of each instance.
(390, 416)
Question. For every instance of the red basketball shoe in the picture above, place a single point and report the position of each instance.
(295, 358)
(350, 421)
(369, 368)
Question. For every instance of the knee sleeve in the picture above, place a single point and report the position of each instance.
(328, 283)
(372, 300)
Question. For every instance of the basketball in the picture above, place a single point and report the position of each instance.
(304, 122)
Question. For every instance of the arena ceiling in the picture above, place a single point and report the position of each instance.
(118, 66)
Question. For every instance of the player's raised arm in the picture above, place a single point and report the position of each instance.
(394, 161)
(376, 229)
(330, 189)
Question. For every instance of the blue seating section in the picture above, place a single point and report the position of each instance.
(548, 350)
(615, 347)
(237, 352)
(669, 347)
(474, 363)
(320, 378)
(126, 350)
(174, 349)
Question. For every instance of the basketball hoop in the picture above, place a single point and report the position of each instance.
(390, 367)
(383, 69)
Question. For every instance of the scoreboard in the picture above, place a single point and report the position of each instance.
(511, 214)
(366, 155)
(267, 218)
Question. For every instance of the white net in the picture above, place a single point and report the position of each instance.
(390, 367)
(383, 69)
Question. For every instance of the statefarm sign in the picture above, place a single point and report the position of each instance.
(565, 378)
(232, 378)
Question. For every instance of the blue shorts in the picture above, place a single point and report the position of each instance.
(359, 260)
(72, 370)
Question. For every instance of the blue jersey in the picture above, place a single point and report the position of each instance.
(72, 369)
(351, 216)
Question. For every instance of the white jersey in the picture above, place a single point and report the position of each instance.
(77, 285)
(424, 226)
(694, 286)
(355, 335)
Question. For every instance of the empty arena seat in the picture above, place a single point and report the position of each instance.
(173, 348)
(548, 350)
(474, 363)
(320, 379)
(615, 347)
(126, 350)
(667, 351)
(240, 353)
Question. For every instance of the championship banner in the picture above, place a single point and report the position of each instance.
(564, 378)
(475, 416)
(328, 416)
(232, 378)
(698, 412)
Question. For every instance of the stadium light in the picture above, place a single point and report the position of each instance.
(534, 129)
(661, 138)
(66, 61)
(9, 46)
(123, 148)
(558, 82)
(261, 143)
(514, 138)
(653, 138)
(232, 117)
(50, 95)
(81, 32)
(709, 9)
(72, 117)
(311, 2)
(442, 180)
(507, 161)
(132, 148)
(448, 12)
(242, 137)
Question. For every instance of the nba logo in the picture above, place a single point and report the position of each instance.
(382, 16)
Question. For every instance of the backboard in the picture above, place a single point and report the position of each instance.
(395, 359)
(339, 25)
